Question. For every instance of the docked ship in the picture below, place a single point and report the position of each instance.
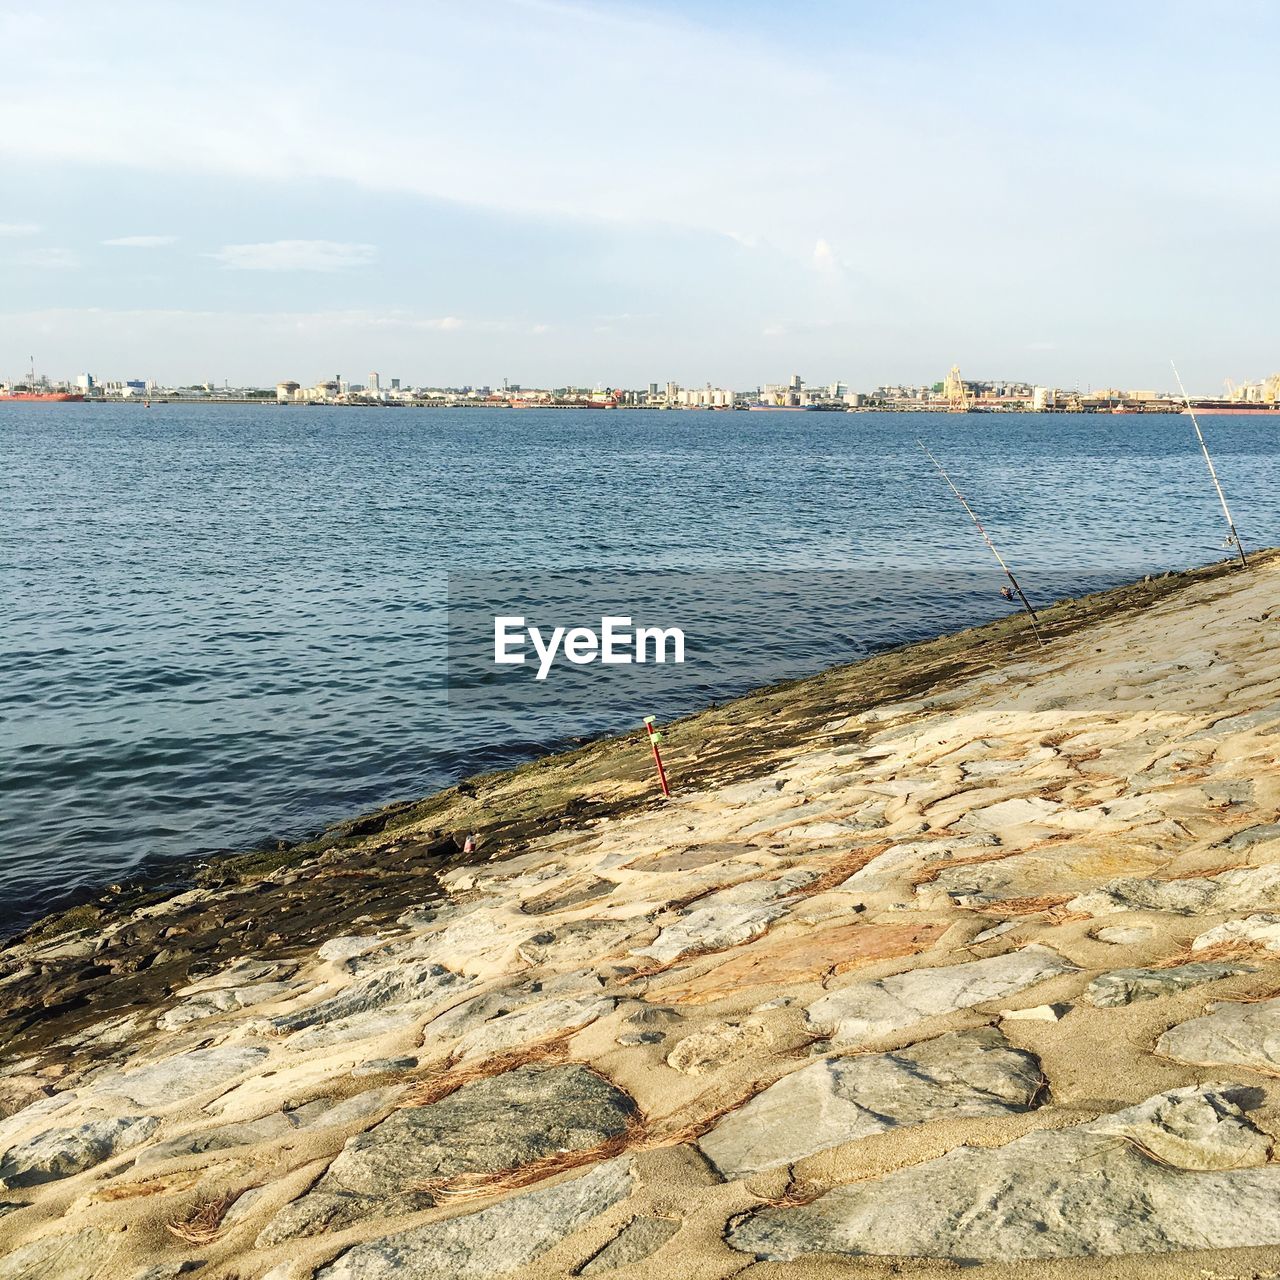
(31, 393)
(762, 407)
(41, 395)
(1233, 407)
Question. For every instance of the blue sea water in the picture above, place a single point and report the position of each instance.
(226, 624)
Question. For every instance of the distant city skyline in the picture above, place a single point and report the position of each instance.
(559, 192)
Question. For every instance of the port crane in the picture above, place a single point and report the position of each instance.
(955, 391)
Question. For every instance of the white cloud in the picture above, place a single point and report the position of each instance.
(19, 228)
(141, 242)
(296, 255)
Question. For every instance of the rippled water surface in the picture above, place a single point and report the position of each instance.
(227, 624)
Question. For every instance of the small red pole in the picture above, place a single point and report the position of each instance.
(654, 738)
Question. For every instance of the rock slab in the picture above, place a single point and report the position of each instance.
(504, 1122)
(838, 1100)
(1076, 1192)
(1240, 1035)
(1127, 986)
(60, 1153)
(639, 1239)
(856, 1014)
(493, 1241)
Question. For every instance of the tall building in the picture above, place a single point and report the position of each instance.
(796, 382)
(374, 384)
(395, 384)
(84, 381)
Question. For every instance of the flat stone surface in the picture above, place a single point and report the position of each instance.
(1234, 890)
(861, 1012)
(185, 1075)
(693, 858)
(385, 1066)
(717, 1044)
(899, 857)
(1127, 986)
(527, 1026)
(1242, 1035)
(1261, 930)
(640, 1238)
(808, 957)
(416, 982)
(576, 943)
(321, 1112)
(1036, 1013)
(237, 974)
(576, 892)
(491, 1242)
(59, 1153)
(209, 1004)
(1198, 1127)
(730, 917)
(1009, 813)
(711, 928)
(1120, 935)
(1263, 833)
(83, 1255)
(838, 1100)
(360, 1026)
(503, 1122)
(1075, 1192)
(338, 950)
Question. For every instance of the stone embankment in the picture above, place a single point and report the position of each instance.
(967, 957)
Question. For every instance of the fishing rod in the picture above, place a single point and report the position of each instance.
(1234, 538)
(986, 537)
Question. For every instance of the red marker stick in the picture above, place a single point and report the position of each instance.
(654, 738)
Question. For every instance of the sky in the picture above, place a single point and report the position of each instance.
(601, 192)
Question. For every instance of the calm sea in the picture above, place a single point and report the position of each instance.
(225, 625)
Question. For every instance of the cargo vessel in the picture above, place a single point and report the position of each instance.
(31, 394)
(42, 395)
(1219, 407)
(782, 408)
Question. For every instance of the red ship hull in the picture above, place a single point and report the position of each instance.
(57, 396)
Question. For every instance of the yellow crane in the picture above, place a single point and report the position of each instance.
(954, 390)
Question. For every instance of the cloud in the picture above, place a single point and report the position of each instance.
(825, 260)
(19, 228)
(141, 242)
(47, 259)
(296, 255)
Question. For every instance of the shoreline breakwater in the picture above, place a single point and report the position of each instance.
(957, 915)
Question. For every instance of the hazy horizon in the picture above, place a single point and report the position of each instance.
(582, 193)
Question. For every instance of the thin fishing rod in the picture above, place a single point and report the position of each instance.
(1213, 475)
(986, 537)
